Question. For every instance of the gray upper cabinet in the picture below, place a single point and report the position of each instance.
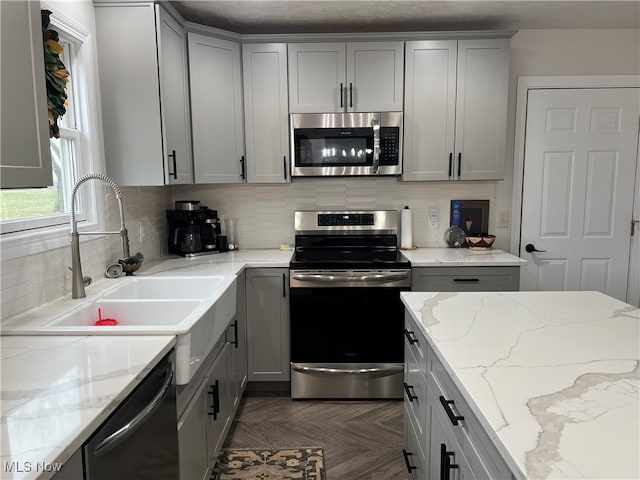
(346, 77)
(25, 155)
(151, 98)
(216, 109)
(266, 116)
(455, 109)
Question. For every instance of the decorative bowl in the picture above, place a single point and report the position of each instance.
(480, 242)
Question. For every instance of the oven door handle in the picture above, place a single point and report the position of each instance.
(347, 371)
(327, 278)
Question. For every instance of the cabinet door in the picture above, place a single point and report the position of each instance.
(445, 457)
(481, 117)
(266, 113)
(218, 409)
(25, 159)
(429, 113)
(316, 77)
(216, 109)
(268, 324)
(172, 59)
(241, 351)
(192, 436)
(130, 103)
(375, 73)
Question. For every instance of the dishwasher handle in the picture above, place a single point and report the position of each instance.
(123, 432)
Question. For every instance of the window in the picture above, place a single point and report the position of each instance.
(29, 212)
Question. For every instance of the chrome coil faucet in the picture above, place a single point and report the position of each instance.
(77, 284)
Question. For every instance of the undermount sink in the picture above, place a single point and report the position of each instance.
(196, 310)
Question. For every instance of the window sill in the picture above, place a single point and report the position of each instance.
(22, 244)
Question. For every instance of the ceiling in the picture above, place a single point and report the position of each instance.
(336, 16)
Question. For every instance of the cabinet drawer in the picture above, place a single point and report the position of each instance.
(481, 454)
(464, 279)
(414, 452)
(415, 395)
(416, 343)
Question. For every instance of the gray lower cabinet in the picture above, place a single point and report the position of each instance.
(437, 444)
(72, 468)
(267, 293)
(465, 279)
(237, 334)
(206, 410)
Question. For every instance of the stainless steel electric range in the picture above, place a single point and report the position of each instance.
(347, 319)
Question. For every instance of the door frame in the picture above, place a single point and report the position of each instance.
(527, 83)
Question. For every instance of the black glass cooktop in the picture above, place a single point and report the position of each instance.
(361, 258)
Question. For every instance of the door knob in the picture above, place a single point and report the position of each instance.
(530, 247)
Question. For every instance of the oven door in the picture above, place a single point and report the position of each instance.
(347, 333)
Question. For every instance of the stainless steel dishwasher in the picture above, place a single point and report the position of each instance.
(139, 440)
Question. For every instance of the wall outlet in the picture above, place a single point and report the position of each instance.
(503, 220)
(433, 221)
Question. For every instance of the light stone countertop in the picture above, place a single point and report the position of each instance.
(553, 377)
(56, 391)
(461, 257)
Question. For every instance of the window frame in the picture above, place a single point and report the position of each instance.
(45, 233)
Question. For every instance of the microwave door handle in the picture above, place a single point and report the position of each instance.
(376, 145)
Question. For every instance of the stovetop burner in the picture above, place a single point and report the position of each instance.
(364, 239)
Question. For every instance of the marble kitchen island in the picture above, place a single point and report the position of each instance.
(551, 377)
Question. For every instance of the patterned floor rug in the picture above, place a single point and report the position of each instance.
(262, 464)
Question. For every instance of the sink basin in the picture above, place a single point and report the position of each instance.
(178, 288)
(155, 314)
(196, 310)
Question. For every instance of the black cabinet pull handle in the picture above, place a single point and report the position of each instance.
(446, 404)
(445, 463)
(408, 390)
(450, 164)
(235, 333)
(284, 163)
(242, 174)
(411, 336)
(341, 103)
(459, 164)
(172, 155)
(530, 248)
(350, 94)
(215, 406)
(407, 460)
(468, 280)
(284, 285)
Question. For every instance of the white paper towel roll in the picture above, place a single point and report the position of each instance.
(405, 228)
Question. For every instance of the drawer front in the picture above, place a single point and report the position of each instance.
(414, 452)
(416, 343)
(415, 394)
(465, 279)
(481, 454)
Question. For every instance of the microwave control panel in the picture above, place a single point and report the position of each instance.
(389, 145)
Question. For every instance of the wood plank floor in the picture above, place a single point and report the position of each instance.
(362, 440)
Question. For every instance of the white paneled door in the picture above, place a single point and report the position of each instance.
(580, 162)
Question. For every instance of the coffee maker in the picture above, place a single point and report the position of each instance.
(192, 229)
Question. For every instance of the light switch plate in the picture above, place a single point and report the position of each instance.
(433, 221)
(503, 220)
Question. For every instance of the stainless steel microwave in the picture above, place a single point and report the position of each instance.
(346, 144)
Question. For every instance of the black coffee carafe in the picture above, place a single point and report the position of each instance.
(189, 238)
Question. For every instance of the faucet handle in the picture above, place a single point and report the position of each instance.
(86, 279)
